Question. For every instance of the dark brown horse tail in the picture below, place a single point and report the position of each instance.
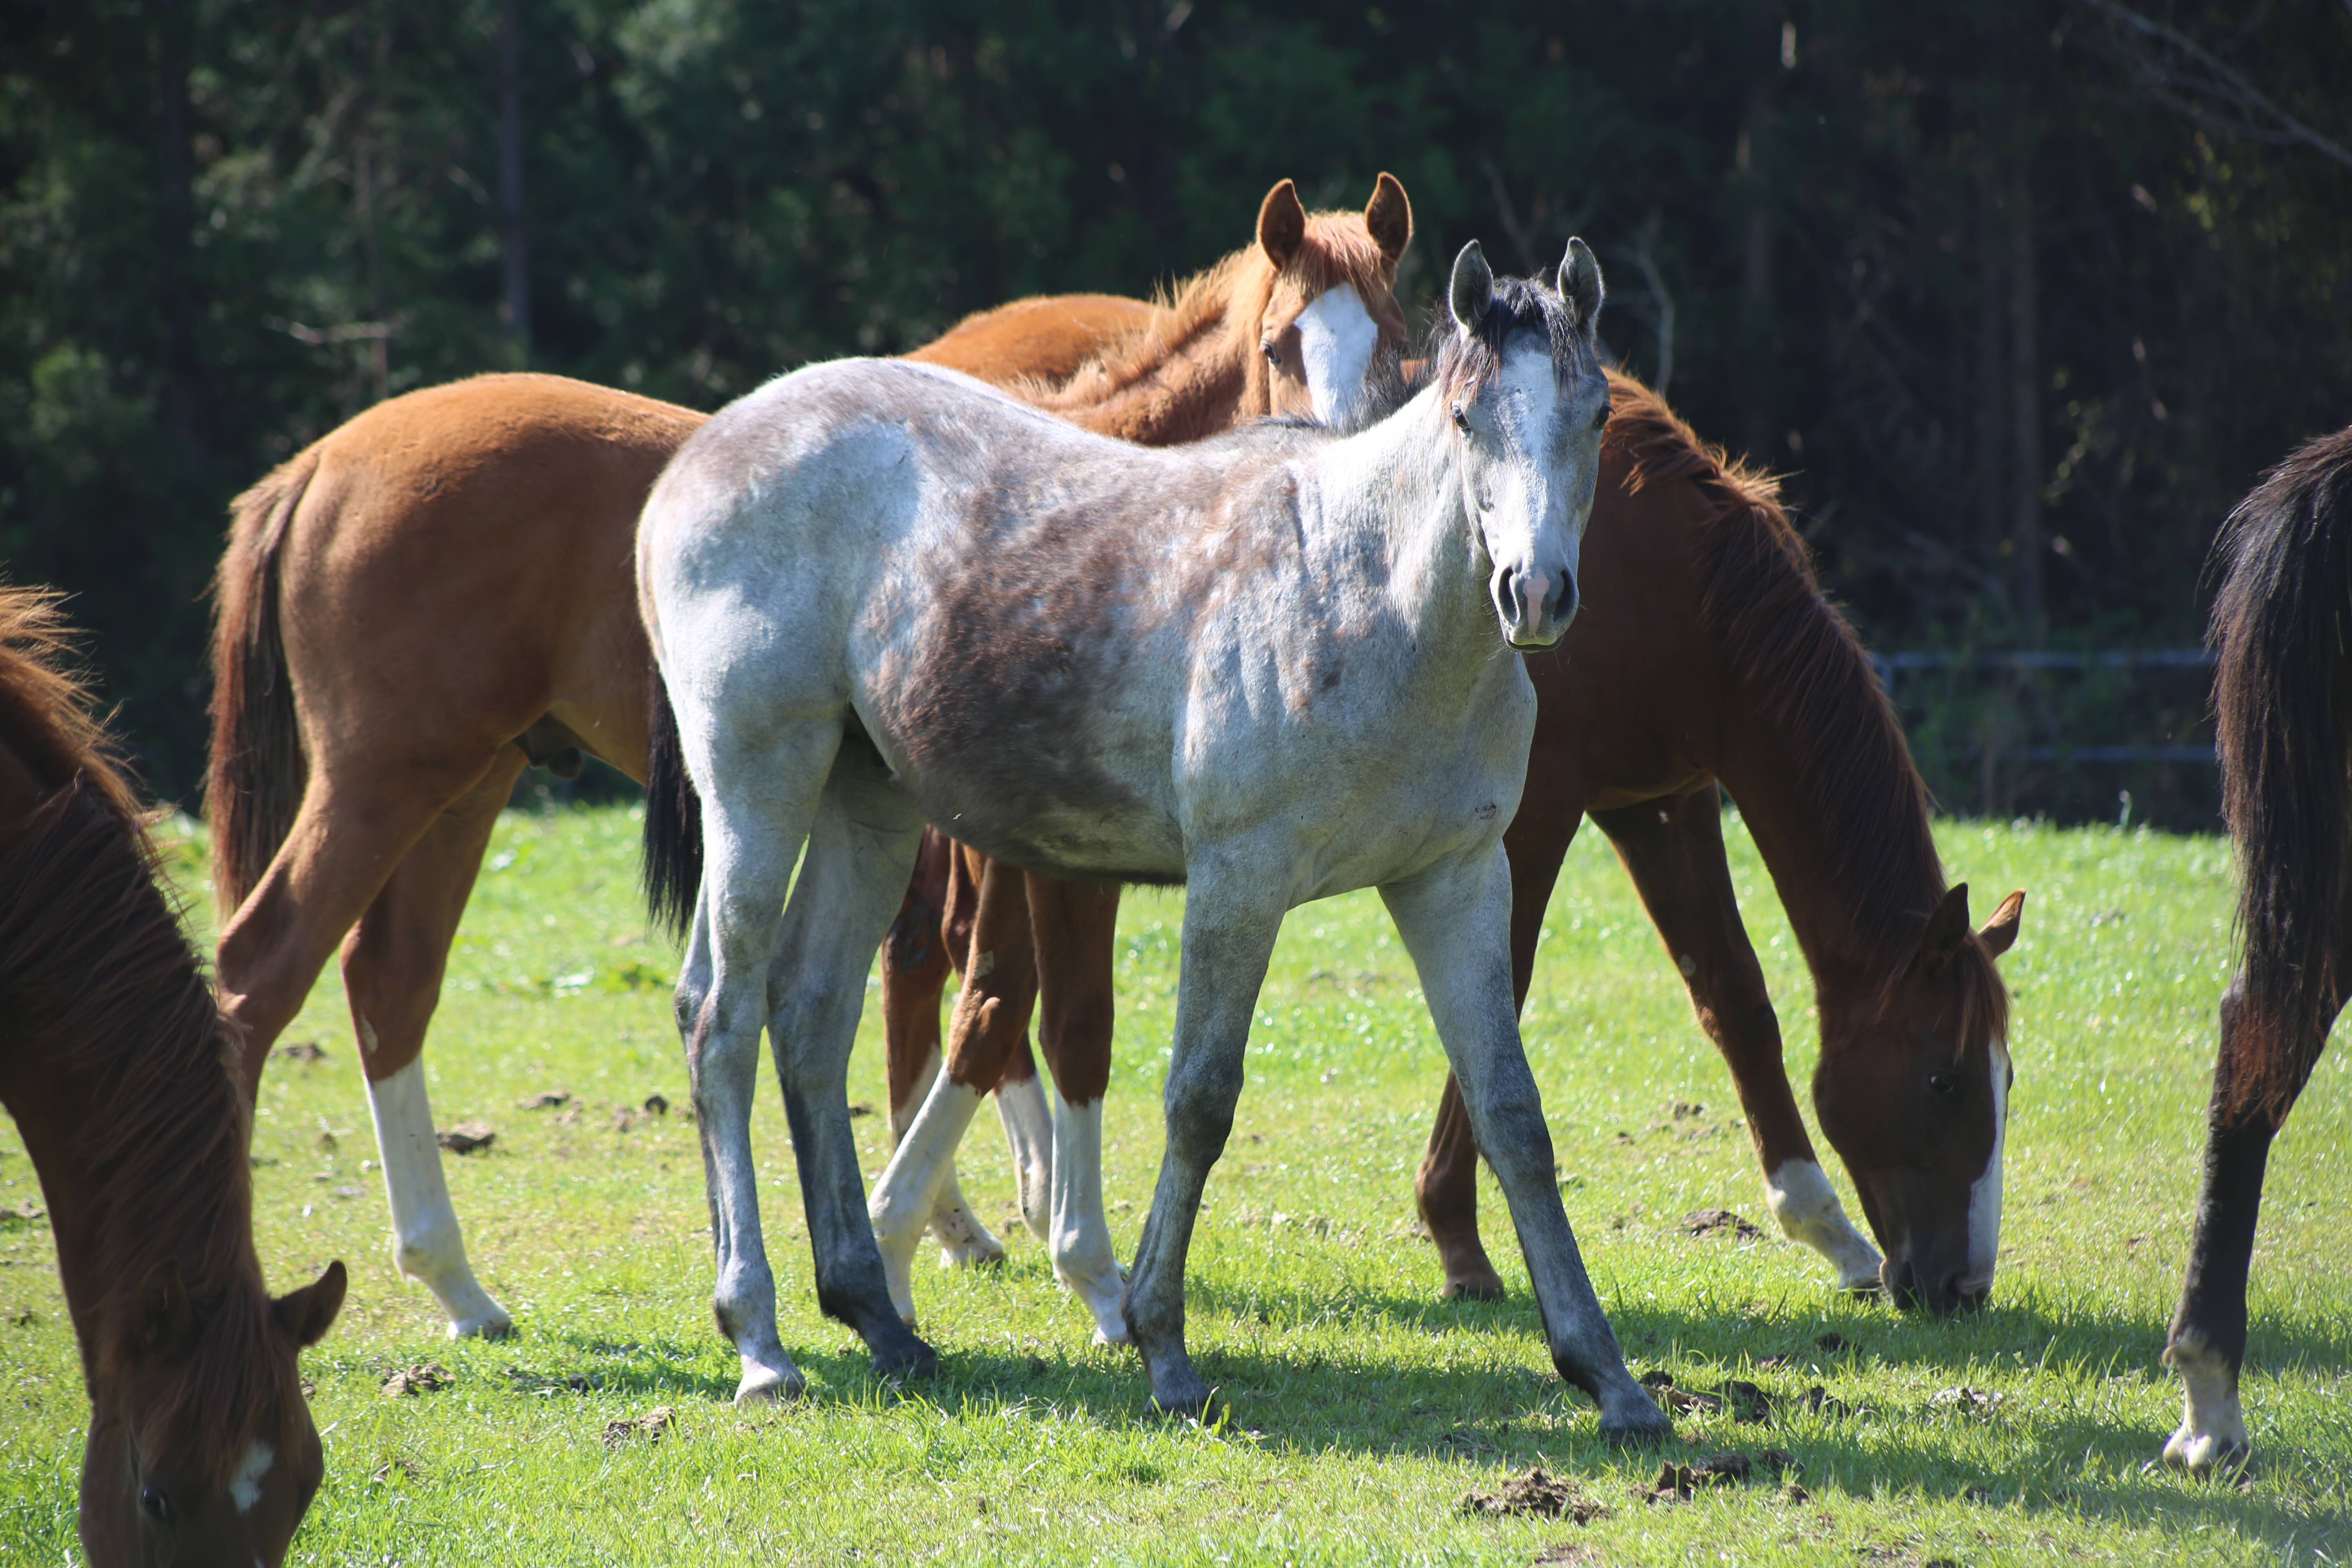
(257, 767)
(672, 868)
(2283, 703)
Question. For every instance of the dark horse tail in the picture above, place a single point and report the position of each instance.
(257, 771)
(673, 869)
(2283, 703)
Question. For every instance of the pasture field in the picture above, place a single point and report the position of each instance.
(1363, 1410)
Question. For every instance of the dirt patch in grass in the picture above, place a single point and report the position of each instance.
(423, 1378)
(1536, 1496)
(649, 1426)
(1719, 1222)
(1679, 1483)
(467, 1138)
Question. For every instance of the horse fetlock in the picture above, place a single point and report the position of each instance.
(965, 1242)
(1800, 1196)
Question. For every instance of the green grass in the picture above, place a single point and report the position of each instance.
(1363, 1409)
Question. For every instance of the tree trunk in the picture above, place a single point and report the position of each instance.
(514, 304)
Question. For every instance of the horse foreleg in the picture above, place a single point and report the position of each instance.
(860, 848)
(992, 1019)
(1673, 851)
(2207, 1342)
(1454, 920)
(392, 966)
(1230, 925)
(1075, 926)
(1445, 1189)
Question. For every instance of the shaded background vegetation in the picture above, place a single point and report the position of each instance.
(2021, 296)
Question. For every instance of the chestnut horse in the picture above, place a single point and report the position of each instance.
(439, 592)
(1705, 657)
(119, 1073)
(2280, 698)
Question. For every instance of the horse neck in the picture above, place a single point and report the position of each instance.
(1191, 377)
(1391, 504)
(1828, 793)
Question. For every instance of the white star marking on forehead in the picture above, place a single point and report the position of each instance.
(1336, 338)
(245, 1487)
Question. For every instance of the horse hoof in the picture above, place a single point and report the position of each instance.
(765, 1385)
(971, 1256)
(1475, 1288)
(498, 1328)
(1636, 1421)
(910, 1365)
(2204, 1454)
(1190, 1399)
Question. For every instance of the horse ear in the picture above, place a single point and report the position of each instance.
(1999, 934)
(1580, 285)
(1281, 225)
(167, 1319)
(1947, 929)
(1473, 289)
(307, 1314)
(1388, 217)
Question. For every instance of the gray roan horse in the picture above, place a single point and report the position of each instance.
(1268, 665)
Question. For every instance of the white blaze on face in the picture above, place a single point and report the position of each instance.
(1336, 338)
(245, 1487)
(1984, 1194)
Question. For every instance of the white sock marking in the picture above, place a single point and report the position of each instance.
(427, 1244)
(1029, 1134)
(908, 1191)
(1801, 1197)
(245, 1487)
(1336, 338)
(2213, 1420)
(1083, 1260)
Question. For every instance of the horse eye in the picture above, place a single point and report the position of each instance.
(1601, 420)
(1272, 353)
(1945, 1084)
(156, 1503)
(1461, 417)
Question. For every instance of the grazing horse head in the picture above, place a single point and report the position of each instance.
(1329, 301)
(182, 1467)
(1913, 1092)
(1519, 374)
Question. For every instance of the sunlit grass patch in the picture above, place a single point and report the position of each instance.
(1362, 1410)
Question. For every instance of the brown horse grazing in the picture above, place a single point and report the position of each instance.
(2282, 697)
(1705, 656)
(118, 1071)
(439, 592)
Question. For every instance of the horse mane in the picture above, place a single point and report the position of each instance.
(1229, 297)
(1798, 656)
(98, 976)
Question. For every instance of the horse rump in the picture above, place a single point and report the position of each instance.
(2283, 702)
(255, 783)
(673, 843)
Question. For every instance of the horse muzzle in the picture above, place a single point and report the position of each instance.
(1917, 1286)
(1537, 605)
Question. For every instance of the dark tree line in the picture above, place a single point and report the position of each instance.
(2021, 295)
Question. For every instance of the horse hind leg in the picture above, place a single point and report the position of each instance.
(991, 1020)
(861, 845)
(392, 966)
(2207, 1341)
(760, 796)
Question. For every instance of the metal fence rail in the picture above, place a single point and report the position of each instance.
(1889, 665)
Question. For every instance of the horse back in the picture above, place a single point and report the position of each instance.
(1045, 339)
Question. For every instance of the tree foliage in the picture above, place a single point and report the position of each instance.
(2021, 295)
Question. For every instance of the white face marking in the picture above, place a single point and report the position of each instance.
(245, 1487)
(1984, 1194)
(1336, 338)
